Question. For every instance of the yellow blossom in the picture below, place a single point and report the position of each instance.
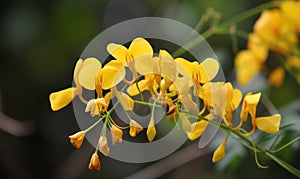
(84, 76)
(291, 9)
(125, 100)
(219, 152)
(94, 162)
(247, 66)
(197, 129)
(274, 28)
(111, 74)
(77, 139)
(258, 47)
(138, 48)
(249, 106)
(293, 62)
(116, 134)
(151, 131)
(269, 124)
(96, 107)
(277, 76)
(103, 146)
(62, 98)
(135, 128)
(200, 73)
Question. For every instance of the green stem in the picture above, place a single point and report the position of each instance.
(141, 94)
(286, 145)
(223, 27)
(284, 165)
(247, 14)
(92, 126)
(194, 42)
(147, 104)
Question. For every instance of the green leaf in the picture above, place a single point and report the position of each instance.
(285, 165)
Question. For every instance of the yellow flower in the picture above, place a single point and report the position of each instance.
(247, 66)
(96, 107)
(219, 152)
(258, 47)
(135, 128)
(116, 134)
(138, 49)
(197, 129)
(200, 73)
(153, 69)
(94, 162)
(291, 9)
(293, 62)
(221, 99)
(62, 98)
(77, 139)
(233, 99)
(102, 145)
(269, 124)
(125, 100)
(111, 74)
(151, 131)
(249, 106)
(214, 97)
(84, 76)
(277, 76)
(275, 30)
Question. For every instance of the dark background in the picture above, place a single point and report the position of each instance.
(40, 43)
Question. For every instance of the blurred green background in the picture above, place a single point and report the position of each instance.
(40, 43)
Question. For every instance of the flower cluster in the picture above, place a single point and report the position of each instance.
(277, 30)
(173, 84)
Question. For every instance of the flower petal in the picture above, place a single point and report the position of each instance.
(151, 131)
(247, 66)
(236, 98)
(77, 139)
(61, 98)
(140, 47)
(167, 65)
(135, 128)
(185, 66)
(277, 76)
(126, 101)
(112, 73)
(119, 52)
(209, 69)
(146, 65)
(94, 162)
(103, 146)
(219, 152)
(197, 129)
(107, 98)
(87, 75)
(269, 124)
(91, 60)
(116, 134)
(185, 122)
(132, 90)
(76, 71)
